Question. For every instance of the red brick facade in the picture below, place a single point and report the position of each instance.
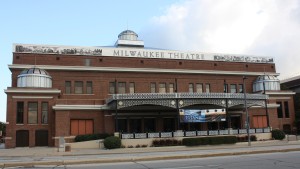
(145, 71)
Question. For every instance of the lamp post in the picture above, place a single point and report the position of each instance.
(246, 110)
(266, 105)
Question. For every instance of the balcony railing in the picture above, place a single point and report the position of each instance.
(191, 133)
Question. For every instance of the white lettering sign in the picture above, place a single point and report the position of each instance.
(138, 53)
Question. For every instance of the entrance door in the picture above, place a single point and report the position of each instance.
(41, 138)
(22, 138)
(235, 122)
(169, 124)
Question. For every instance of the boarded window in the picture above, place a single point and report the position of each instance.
(259, 121)
(112, 87)
(121, 87)
(81, 127)
(191, 88)
(131, 87)
(199, 88)
(153, 88)
(171, 88)
(162, 88)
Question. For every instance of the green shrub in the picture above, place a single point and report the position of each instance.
(112, 142)
(88, 137)
(278, 134)
(209, 140)
(166, 142)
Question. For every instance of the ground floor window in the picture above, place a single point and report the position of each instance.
(81, 127)
(260, 121)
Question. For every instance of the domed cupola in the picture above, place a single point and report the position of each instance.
(271, 83)
(34, 77)
(128, 38)
(128, 35)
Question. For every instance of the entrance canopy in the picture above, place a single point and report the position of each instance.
(181, 100)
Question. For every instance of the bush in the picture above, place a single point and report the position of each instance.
(166, 142)
(278, 134)
(89, 137)
(112, 142)
(209, 140)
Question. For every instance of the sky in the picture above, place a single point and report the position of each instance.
(252, 27)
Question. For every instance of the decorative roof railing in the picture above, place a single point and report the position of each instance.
(144, 96)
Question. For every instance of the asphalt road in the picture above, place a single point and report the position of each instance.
(284, 160)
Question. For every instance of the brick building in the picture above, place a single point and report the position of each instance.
(64, 91)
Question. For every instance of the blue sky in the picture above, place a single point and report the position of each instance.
(256, 27)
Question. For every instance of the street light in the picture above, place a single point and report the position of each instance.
(246, 110)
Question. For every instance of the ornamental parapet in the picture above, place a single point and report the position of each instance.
(159, 96)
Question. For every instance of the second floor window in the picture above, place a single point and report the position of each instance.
(68, 87)
(171, 88)
(78, 87)
(131, 87)
(112, 88)
(241, 88)
(153, 88)
(121, 87)
(162, 88)
(232, 88)
(32, 113)
(286, 109)
(279, 110)
(44, 112)
(191, 88)
(20, 112)
(199, 88)
(207, 88)
(89, 87)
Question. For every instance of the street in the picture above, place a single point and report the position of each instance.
(284, 160)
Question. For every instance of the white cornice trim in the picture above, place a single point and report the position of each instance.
(32, 97)
(79, 107)
(145, 70)
(282, 92)
(35, 91)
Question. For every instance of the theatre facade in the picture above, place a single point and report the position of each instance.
(65, 91)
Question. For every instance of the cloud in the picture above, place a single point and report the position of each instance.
(258, 27)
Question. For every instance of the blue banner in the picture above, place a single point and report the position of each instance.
(207, 115)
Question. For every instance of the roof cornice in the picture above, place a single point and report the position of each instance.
(143, 70)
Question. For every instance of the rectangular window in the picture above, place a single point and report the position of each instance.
(207, 88)
(162, 88)
(286, 109)
(191, 88)
(87, 62)
(121, 87)
(32, 113)
(89, 87)
(279, 110)
(68, 87)
(153, 88)
(131, 87)
(78, 87)
(112, 88)
(44, 113)
(20, 112)
(241, 88)
(233, 88)
(171, 88)
(199, 88)
(225, 88)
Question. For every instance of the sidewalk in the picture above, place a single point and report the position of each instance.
(50, 156)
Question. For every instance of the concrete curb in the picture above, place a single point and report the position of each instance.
(72, 162)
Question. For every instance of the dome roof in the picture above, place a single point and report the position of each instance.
(34, 77)
(266, 82)
(128, 35)
(266, 78)
(34, 70)
(127, 32)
